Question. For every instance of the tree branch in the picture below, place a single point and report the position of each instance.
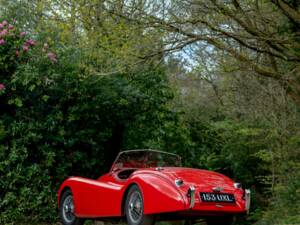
(291, 13)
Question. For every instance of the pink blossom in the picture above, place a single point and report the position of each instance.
(25, 48)
(52, 57)
(10, 26)
(3, 33)
(22, 34)
(2, 42)
(2, 87)
(17, 53)
(4, 23)
(30, 42)
(1, 26)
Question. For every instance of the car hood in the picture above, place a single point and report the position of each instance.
(201, 179)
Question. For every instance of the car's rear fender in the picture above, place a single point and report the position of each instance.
(160, 195)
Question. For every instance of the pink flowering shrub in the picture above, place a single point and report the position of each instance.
(19, 51)
(16, 47)
(12, 44)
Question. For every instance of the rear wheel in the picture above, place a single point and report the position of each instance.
(134, 208)
(66, 210)
(222, 220)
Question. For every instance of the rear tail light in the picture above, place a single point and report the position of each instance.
(237, 185)
(178, 182)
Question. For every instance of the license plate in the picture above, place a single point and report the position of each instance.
(217, 197)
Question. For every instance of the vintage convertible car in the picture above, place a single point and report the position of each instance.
(148, 185)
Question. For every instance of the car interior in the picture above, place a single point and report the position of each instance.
(124, 174)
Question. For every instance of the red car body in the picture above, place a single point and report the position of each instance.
(166, 190)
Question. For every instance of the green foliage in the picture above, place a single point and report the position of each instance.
(230, 147)
(284, 207)
(285, 204)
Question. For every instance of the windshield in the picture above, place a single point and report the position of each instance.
(146, 159)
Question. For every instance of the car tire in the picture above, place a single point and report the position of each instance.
(66, 210)
(134, 208)
(220, 220)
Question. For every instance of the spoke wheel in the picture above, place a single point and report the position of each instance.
(134, 208)
(67, 209)
(135, 211)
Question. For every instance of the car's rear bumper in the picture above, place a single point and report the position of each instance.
(196, 206)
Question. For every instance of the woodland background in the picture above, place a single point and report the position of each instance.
(216, 81)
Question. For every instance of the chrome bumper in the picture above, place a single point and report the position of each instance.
(247, 199)
(191, 195)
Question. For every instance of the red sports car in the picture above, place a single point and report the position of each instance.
(147, 185)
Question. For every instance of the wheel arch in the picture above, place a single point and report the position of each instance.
(125, 196)
(62, 191)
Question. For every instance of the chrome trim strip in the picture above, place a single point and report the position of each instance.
(191, 193)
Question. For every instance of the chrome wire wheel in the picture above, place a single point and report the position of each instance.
(68, 209)
(134, 208)
(135, 211)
